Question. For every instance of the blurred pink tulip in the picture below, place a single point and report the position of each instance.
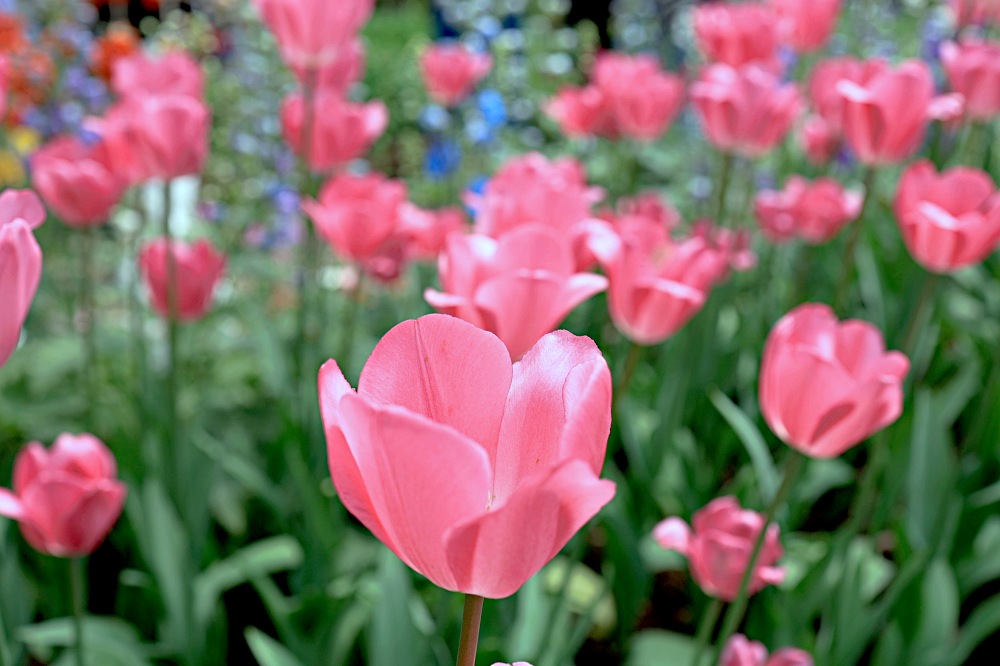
(341, 131)
(518, 287)
(826, 99)
(949, 220)
(199, 268)
(718, 546)
(747, 110)
(427, 230)
(475, 473)
(973, 69)
(885, 118)
(582, 112)
(806, 25)
(819, 141)
(357, 215)
(529, 189)
(451, 72)
(344, 70)
(167, 135)
(643, 98)
(740, 651)
(312, 34)
(20, 263)
(66, 499)
(968, 12)
(737, 34)
(825, 386)
(815, 211)
(77, 180)
(174, 73)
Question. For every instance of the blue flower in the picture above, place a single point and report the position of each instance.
(434, 118)
(491, 105)
(443, 158)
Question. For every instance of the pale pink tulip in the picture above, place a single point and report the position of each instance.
(737, 34)
(20, 263)
(451, 72)
(973, 69)
(815, 211)
(949, 220)
(746, 111)
(474, 471)
(341, 130)
(78, 180)
(806, 25)
(825, 385)
(740, 651)
(718, 546)
(174, 73)
(519, 287)
(66, 499)
(199, 267)
(358, 215)
(312, 34)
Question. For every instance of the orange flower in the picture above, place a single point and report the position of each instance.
(11, 33)
(120, 40)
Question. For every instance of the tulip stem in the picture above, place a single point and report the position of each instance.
(926, 298)
(471, 618)
(705, 627)
(734, 614)
(172, 313)
(725, 168)
(6, 659)
(852, 241)
(76, 583)
(631, 361)
(87, 288)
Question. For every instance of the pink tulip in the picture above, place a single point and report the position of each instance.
(343, 71)
(357, 215)
(819, 141)
(885, 119)
(815, 211)
(949, 220)
(718, 546)
(20, 263)
(643, 98)
(77, 180)
(531, 189)
(968, 12)
(747, 111)
(141, 75)
(168, 135)
(341, 130)
(582, 112)
(312, 34)
(823, 93)
(66, 499)
(825, 386)
(199, 267)
(427, 230)
(973, 69)
(518, 287)
(451, 72)
(737, 34)
(740, 651)
(806, 25)
(473, 471)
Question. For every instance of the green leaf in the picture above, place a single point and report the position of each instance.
(981, 624)
(107, 641)
(655, 647)
(930, 477)
(393, 640)
(753, 442)
(267, 651)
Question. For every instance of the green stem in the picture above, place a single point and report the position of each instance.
(631, 362)
(926, 298)
(471, 617)
(87, 287)
(725, 168)
(559, 618)
(79, 605)
(734, 614)
(172, 314)
(6, 659)
(708, 622)
(868, 495)
(840, 302)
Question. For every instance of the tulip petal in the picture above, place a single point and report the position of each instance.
(10, 505)
(445, 369)
(673, 534)
(496, 552)
(82, 529)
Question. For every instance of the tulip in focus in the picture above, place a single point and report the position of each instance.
(885, 118)
(174, 73)
(77, 180)
(825, 385)
(973, 69)
(740, 651)
(737, 34)
(747, 111)
(948, 220)
(806, 25)
(341, 130)
(519, 287)
(199, 269)
(66, 499)
(718, 545)
(20, 263)
(474, 471)
(815, 211)
(451, 72)
(357, 215)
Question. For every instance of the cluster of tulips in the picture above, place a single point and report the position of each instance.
(474, 444)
